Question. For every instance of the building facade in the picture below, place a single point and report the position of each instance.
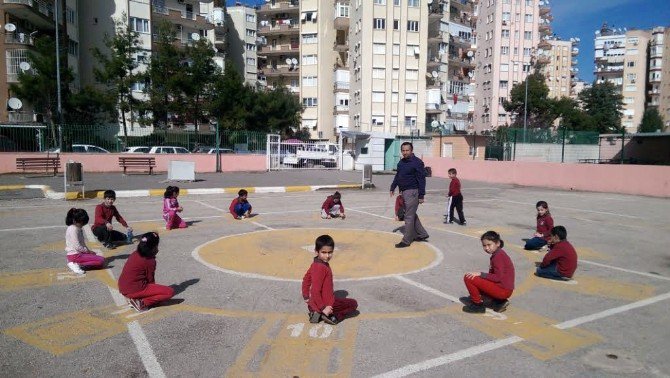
(659, 73)
(242, 42)
(559, 67)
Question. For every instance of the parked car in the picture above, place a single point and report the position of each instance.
(136, 150)
(221, 151)
(168, 150)
(83, 148)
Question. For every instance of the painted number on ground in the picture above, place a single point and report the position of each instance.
(317, 331)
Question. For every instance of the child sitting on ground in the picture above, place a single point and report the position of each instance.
(136, 281)
(544, 225)
(317, 287)
(561, 261)
(171, 208)
(400, 208)
(102, 226)
(498, 283)
(240, 207)
(78, 254)
(332, 207)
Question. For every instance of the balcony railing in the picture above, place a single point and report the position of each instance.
(340, 108)
(21, 116)
(19, 38)
(341, 85)
(41, 6)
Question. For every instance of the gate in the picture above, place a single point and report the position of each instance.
(296, 154)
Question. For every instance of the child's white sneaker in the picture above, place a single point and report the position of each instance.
(75, 268)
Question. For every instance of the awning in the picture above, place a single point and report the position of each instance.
(354, 135)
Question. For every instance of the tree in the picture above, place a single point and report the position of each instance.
(603, 104)
(118, 69)
(277, 110)
(198, 83)
(538, 103)
(230, 100)
(651, 121)
(571, 115)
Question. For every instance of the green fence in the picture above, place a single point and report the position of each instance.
(558, 136)
(513, 143)
(35, 138)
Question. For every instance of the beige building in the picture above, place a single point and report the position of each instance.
(242, 42)
(659, 72)
(558, 63)
(508, 35)
(23, 23)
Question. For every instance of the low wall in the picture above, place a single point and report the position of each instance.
(204, 163)
(647, 180)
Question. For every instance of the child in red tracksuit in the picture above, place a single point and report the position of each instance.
(317, 287)
(561, 261)
(498, 283)
(399, 208)
(543, 230)
(455, 200)
(332, 207)
(137, 282)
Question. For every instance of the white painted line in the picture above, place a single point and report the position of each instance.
(121, 311)
(427, 288)
(612, 311)
(626, 270)
(210, 206)
(262, 225)
(132, 193)
(270, 189)
(30, 228)
(449, 358)
(367, 213)
(206, 191)
(574, 209)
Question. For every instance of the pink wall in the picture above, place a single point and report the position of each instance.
(647, 180)
(110, 163)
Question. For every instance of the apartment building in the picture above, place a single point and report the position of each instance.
(508, 34)
(242, 41)
(621, 58)
(558, 63)
(215, 14)
(24, 22)
(659, 72)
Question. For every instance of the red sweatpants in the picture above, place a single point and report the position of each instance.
(153, 294)
(477, 286)
(87, 260)
(342, 307)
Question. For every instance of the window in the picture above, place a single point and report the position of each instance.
(395, 75)
(413, 26)
(529, 3)
(308, 16)
(503, 84)
(504, 67)
(396, 3)
(505, 33)
(378, 73)
(139, 86)
(251, 62)
(379, 48)
(251, 33)
(377, 120)
(309, 102)
(378, 23)
(139, 25)
(410, 121)
(251, 18)
(396, 24)
(411, 97)
(308, 59)
(251, 47)
(377, 96)
(526, 51)
(412, 3)
(412, 50)
(343, 10)
(71, 16)
(529, 17)
(396, 49)
(308, 39)
(379, 2)
(630, 64)
(528, 35)
(505, 16)
(504, 50)
(73, 47)
(412, 74)
(309, 81)
(394, 97)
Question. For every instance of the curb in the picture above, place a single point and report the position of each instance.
(49, 193)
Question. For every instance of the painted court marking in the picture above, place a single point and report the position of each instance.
(574, 209)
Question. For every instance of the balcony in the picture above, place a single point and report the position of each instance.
(37, 12)
(433, 108)
(575, 51)
(341, 23)
(544, 59)
(340, 109)
(284, 28)
(463, 20)
(21, 117)
(279, 7)
(283, 70)
(341, 86)
(544, 8)
(544, 45)
(460, 41)
(181, 17)
(279, 49)
(19, 39)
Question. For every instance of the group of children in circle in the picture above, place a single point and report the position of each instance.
(137, 283)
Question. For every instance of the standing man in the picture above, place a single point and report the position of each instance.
(411, 180)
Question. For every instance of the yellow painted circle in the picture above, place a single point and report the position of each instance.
(286, 254)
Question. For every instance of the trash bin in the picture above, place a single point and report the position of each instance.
(74, 172)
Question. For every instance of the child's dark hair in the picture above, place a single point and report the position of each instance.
(542, 204)
(324, 241)
(148, 242)
(494, 237)
(168, 192)
(559, 231)
(337, 195)
(109, 194)
(242, 192)
(76, 216)
(452, 171)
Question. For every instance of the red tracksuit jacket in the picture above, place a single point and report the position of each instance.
(565, 256)
(317, 286)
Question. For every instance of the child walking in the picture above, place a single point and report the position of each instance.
(498, 283)
(171, 208)
(102, 226)
(240, 207)
(78, 254)
(317, 287)
(332, 207)
(561, 261)
(137, 282)
(455, 200)
(400, 208)
(542, 232)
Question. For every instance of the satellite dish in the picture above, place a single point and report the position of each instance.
(195, 36)
(471, 74)
(434, 74)
(470, 54)
(14, 103)
(288, 60)
(24, 66)
(430, 2)
(294, 61)
(10, 27)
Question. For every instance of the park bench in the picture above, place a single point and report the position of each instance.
(45, 164)
(139, 162)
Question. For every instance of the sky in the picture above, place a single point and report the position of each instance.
(581, 18)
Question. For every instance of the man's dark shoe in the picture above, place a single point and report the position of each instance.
(500, 306)
(464, 223)
(330, 319)
(314, 317)
(402, 245)
(422, 239)
(475, 308)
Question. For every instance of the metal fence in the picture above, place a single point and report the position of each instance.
(35, 138)
(548, 145)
